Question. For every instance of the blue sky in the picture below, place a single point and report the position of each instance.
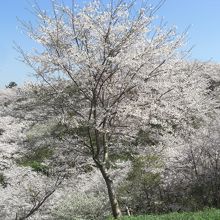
(202, 15)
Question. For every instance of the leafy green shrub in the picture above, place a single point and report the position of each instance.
(39, 155)
(35, 160)
(3, 181)
(146, 137)
(87, 168)
(2, 131)
(38, 167)
(11, 85)
(140, 190)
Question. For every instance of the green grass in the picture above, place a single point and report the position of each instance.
(209, 214)
(35, 160)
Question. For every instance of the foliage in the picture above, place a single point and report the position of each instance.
(3, 181)
(38, 167)
(11, 85)
(140, 191)
(36, 158)
(1, 131)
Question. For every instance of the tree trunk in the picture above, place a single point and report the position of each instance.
(111, 193)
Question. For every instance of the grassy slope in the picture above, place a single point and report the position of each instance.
(211, 214)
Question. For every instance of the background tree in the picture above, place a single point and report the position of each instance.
(11, 85)
(111, 84)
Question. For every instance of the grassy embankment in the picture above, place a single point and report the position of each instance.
(209, 214)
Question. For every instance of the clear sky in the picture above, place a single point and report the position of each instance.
(202, 15)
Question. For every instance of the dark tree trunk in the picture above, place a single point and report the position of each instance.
(111, 193)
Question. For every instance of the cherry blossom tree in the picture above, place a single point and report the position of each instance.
(111, 83)
(23, 192)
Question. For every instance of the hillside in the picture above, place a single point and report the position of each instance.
(19, 183)
(24, 178)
